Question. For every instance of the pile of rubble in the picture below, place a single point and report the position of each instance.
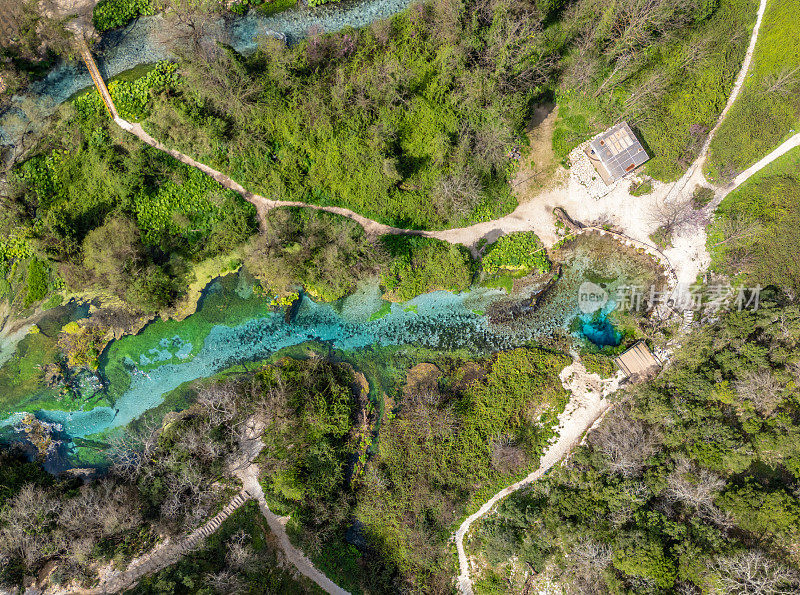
(582, 171)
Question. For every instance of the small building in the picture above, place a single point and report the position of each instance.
(616, 153)
(638, 361)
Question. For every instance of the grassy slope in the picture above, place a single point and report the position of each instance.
(771, 198)
(760, 119)
(673, 124)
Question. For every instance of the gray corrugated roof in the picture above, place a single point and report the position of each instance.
(619, 151)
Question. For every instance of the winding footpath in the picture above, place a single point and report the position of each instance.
(695, 171)
(589, 392)
(168, 553)
(277, 525)
(586, 406)
(579, 418)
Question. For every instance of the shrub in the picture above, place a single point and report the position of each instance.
(646, 559)
(645, 187)
(38, 275)
(597, 363)
(111, 14)
(520, 252)
(421, 265)
(701, 196)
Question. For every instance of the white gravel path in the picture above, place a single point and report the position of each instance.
(586, 405)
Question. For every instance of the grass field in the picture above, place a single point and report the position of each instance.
(768, 108)
(672, 96)
(756, 233)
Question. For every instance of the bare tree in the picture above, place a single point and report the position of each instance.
(507, 456)
(225, 582)
(456, 194)
(761, 389)
(219, 402)
(189, 24)
(739, 229)
(784, 83)
(672, 215)
(626, 442)
(697, 489)
(132, 449)
(588, 559)
(239, 553)
(753, 573)
(20, 526)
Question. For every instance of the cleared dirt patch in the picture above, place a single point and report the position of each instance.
(537, 167)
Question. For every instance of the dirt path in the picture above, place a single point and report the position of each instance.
(168, 553)
(250, 447)
(277, 525)
(586, 405)
(791, 143)
(692, 255)
(695, 172)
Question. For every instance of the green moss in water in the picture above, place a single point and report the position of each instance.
(385, 308)
(501, 281)
(228, 301)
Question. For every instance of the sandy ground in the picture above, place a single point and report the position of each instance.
(586, 405)
(539, 164)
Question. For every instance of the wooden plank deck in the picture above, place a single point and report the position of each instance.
(97, 78)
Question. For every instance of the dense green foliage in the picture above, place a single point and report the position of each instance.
(689, 483)
(325, 254)
(768, 108)
(111, 14)
(112, 212)
(408, 121)
(665, 67)
(597, 363)
(521, 253)
(756, 232)
(460, 431)
(419, 265)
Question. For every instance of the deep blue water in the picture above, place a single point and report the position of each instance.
(599, 330)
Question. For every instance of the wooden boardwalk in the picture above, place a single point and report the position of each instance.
(97, 78)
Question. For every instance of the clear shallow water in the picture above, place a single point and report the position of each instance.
(234, 325)
(138, 43)
(155, 364)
